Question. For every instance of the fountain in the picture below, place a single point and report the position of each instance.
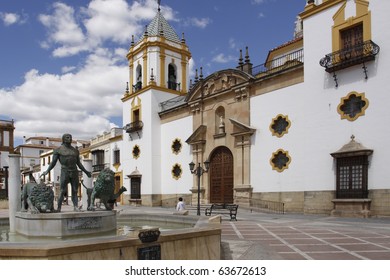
(91, 235)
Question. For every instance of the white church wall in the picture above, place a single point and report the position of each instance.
(268, 106)
(179, 129)
(323, 97)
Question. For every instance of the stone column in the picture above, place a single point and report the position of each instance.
(87, 182)
(14, 190)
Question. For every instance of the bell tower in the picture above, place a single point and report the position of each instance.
(159, 59)
(158, 71)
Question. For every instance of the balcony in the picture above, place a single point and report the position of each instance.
(283, 63)
(134, 127)
(358, 54)
(99, 167)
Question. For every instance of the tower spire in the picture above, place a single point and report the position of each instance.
(159, 4)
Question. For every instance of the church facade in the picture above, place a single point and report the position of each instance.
(301, 130)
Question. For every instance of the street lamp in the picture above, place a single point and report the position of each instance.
(199, 172)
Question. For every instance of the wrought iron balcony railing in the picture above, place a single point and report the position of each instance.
(99, 167)
(345, 58)
(283, 63)
(133, 127)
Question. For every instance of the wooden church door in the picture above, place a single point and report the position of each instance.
(221, 176)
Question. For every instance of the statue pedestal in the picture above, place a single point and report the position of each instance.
(65, 224)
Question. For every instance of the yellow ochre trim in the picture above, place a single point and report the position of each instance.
(363, 16)
(274, 133)
(342, 102)
(274, 167)
(313, 9)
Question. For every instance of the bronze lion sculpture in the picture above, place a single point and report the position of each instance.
(103, 189)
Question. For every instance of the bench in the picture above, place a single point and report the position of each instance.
(223, 209)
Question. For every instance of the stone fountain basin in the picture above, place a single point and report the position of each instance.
(200, 242)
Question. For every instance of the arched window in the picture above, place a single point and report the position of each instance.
(172, 82)
(138, 84)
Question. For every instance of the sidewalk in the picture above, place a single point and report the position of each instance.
(261, 236)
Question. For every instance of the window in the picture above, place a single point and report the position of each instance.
(176, 146)
(352, 36)
(136, 151)
(280, 160)
(176, 171)
(138, 78)
(117, 158)
(352, 177)
(352, 106)
(280, 125)
(97, 160)
(172, 82)
(136, 116)
(135, 189)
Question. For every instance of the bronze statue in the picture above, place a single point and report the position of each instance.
(69, 158)
(103, 189)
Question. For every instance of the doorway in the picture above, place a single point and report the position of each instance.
(221, 176)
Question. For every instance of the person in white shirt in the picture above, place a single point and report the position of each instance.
(181, 206)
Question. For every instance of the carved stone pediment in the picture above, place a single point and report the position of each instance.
(240, 128)
(198, 136)
(218, 83)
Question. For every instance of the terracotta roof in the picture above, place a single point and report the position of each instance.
(287, 43)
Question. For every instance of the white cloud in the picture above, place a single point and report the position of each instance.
(81, 99)
(12, 18)
(63, 30)
(257, 2)
(232, 43)
(80, 103)
(102, 21)
(222, 58)
(66, 69)
(200, 22)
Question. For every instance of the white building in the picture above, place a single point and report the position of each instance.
(301, 130)
(6, 147)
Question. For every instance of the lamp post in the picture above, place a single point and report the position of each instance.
(199, 172)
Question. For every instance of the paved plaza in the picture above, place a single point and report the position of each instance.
(305, 237)
(264, 236)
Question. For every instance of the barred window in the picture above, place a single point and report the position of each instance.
(352, 177)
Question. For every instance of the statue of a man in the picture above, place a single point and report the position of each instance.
(69, 158)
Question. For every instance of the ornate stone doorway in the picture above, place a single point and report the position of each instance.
(221, 175)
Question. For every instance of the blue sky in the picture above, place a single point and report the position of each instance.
(63, 66)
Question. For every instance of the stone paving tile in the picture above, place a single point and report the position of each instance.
(292, 256)
(382, 255)
(316, 247)
(302, 241)
(345, 240)
(362, 247)
(332, 256)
